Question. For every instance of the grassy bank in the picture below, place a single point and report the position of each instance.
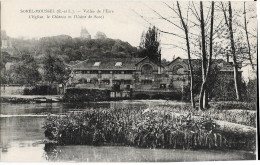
(157, 127)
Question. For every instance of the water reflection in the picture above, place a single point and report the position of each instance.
(22, 109)
(58, 108)
(130, 154)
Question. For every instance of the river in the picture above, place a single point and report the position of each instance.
(21, 131)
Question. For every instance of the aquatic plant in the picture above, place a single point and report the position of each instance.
(149, 128)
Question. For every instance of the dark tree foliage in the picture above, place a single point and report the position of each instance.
(249, 91)
(150, 45)
(2, 69)
(24, 72)
(63, 48)
(73, 49)
(54, 69)
(164, 62)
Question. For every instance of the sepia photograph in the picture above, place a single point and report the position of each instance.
(128, 81)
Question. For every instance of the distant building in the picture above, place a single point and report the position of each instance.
(5, 40)
(100, 35)
(85, 34)
(142, 74)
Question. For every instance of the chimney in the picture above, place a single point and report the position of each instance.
(227, 57)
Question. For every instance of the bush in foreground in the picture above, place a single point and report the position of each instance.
(141, 128)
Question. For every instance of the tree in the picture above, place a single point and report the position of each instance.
(150, 45)
(197, 44)
(208, 37)
(100, 35)
(164, 62)
(184, 25)
(229, 24)
(25, 71)
(2, 67)
(206, 62)
(54, 69)
(247, 37)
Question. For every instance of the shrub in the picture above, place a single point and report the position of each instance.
(81, 95)
(159, 96)
(142, 96)
(41, 90)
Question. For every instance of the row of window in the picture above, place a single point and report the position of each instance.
(146, 82)
(103, 72)
(116, 64)
(107, 82)
(111, 72)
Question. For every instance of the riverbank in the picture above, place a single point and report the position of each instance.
(31, 98)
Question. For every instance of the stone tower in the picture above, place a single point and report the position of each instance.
(5, 40)
(84, 34)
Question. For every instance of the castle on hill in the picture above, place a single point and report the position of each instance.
(84, 33)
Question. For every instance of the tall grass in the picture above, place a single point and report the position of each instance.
(226, 105)
(150, 128)
(240, 113)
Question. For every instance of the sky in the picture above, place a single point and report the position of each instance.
(121, 20)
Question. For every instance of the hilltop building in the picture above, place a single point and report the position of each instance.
(5, 40)
(85, 34)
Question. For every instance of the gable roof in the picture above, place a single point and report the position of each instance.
(146, 57)
(196, 64)
(107, 64)
(130, 64)
(174, 60)
(220, 63)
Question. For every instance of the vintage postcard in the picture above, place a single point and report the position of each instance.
(128, 81)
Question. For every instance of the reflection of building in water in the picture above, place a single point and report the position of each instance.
(143, 74)
(5, 40)
(84, 34)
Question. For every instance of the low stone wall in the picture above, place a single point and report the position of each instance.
(83, 94)
(12, 90)
(168, 95)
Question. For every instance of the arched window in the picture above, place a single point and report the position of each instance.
(147, 69)
(178, 70)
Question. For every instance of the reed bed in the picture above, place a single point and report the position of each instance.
(233, 115)
(154, 127)
(226, 105)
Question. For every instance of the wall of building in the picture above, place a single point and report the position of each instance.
(175, 77)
